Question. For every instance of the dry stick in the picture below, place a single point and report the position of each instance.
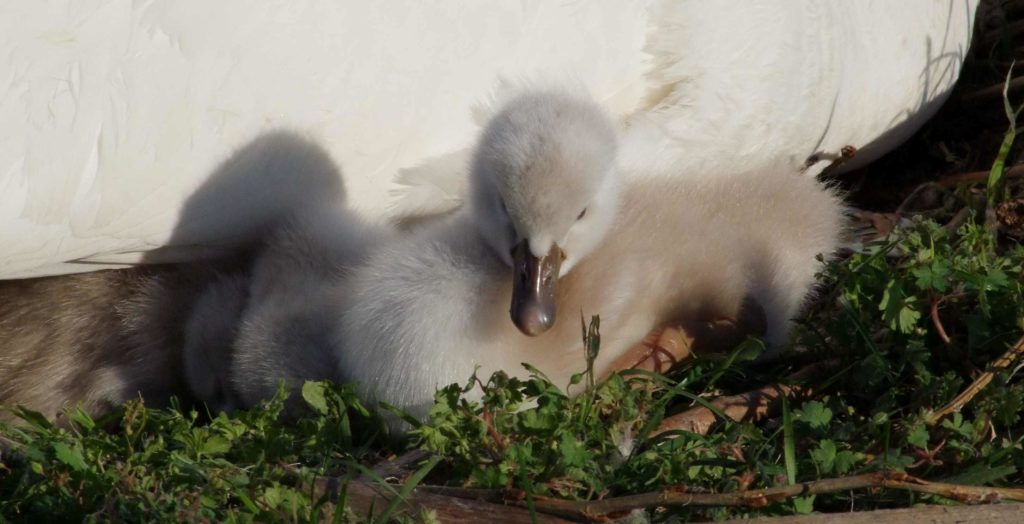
(958, 219)
(755, 498)
(993, 90)
(974, 177)
(936, 321)
(1001, 363)
(751, 406)
(919, 190)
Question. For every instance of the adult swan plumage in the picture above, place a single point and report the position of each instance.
(138, 130)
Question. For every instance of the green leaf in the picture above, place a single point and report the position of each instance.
(81, 418)
(314, 395)
(70, 456)
(34, 418)
(981, 474)
(898, 310)
(999, 165)
(215, 445)
(933, 276)
(996, 279)
(846, 460)
(918, 437)
(956, 423)
(407, 487)
(239, 479)
(789, 441)
(803, 505)
(825, 455)
(273, 496)
(540, 420)
(815, 414)
(573, 453)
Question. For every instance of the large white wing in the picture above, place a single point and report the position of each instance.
(168, 130)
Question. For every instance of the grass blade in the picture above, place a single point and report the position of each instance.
(409, 485)
(789, 441)
(995, 175)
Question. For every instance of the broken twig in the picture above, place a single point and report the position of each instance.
(993, 91)
(755, 498)
(961, 400)
(975, 177)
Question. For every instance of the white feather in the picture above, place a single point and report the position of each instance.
(115, 115)
(426, 309)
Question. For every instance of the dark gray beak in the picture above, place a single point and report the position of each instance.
(535, 281)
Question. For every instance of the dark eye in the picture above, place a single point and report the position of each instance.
(582, 214)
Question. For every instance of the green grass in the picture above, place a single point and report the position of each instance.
(874, 316)
(145, 465)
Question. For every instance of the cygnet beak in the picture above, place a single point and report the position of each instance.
(534, 284)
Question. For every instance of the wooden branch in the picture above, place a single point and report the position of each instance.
(756, 498)
(961, 400)
(993, 91)
(975, 177)
(454, 504)
(989, 514)
(936, 321)
(958, 219)
(752, 406)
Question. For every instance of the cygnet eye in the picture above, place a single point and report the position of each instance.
(582, 214)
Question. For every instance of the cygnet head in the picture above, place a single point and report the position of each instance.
(544, 194)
